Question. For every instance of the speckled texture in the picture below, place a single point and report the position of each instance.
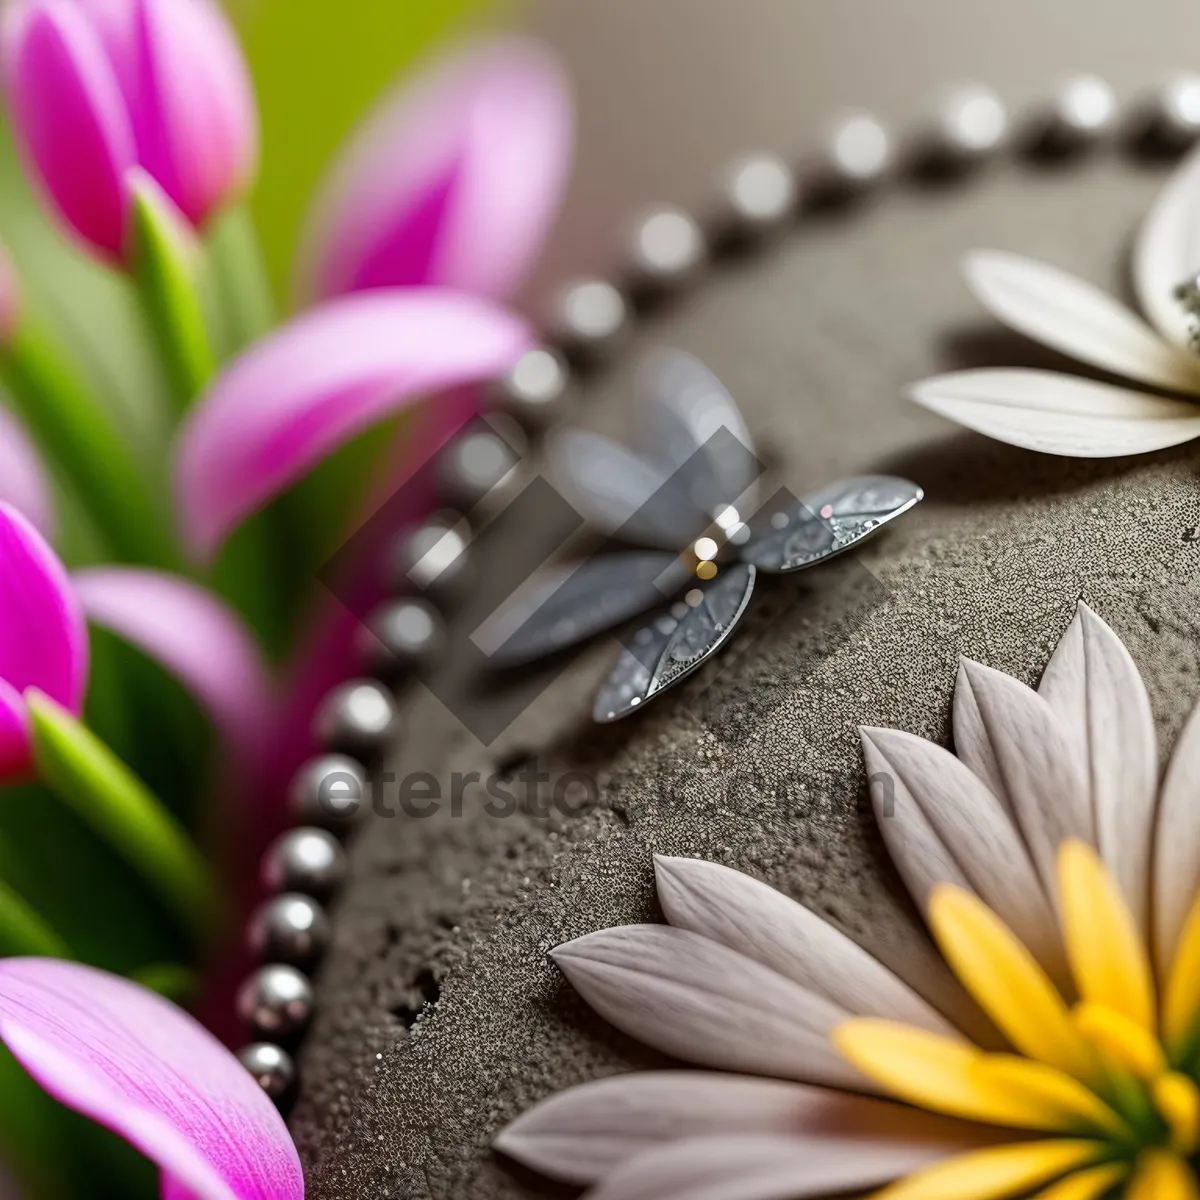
(753, 762)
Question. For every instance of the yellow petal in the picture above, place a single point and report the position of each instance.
(1181, 997)
(1006, 980)
(1085, 1185)
(944, 1075)
(1178, 1101)
(995, 1173)
(1104, 947)
(1161, 1175)
(1053, 1099)
(1123, 1041)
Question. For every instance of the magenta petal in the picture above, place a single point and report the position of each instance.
(193, 635)
(301, 393)
(16, 751)
(43, 640)
(138, 1065)
(452, 183)
(69, 116)
(23, 482)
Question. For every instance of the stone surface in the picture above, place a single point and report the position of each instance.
(440, 1016)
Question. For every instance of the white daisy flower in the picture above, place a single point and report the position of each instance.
(1062, 414)
(1061, 883)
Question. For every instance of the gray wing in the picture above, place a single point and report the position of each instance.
(621, 494)
(674, 644)
(571, 602)
(693, 425)
(790, 534)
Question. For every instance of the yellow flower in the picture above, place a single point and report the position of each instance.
(1051, 1049)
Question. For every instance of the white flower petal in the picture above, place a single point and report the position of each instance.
(1067, 314)
(1177, 843)
(764, 1168)
(1059, 414)
(700, 1001)
(976, 830)
(1012, 739)
(1168, 250)
(1093, 685)
(583, 1134)
(755, 920)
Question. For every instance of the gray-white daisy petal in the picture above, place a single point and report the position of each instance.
(1067, 314)
(1014, 741)
(974, 829)
(1168, 250)
(1093, 685)
(1055, 413)
(765, 1168)
(691, 420)
(621, 494)
(1177, 843)
(799, 533)
(584, 1134)
(675, 643)
(700, 1001)
(562, 605)
(755, 920)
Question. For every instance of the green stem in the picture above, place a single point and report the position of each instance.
(72, 430)
(103, 791)
(239, 275)
(23, 931)
(165, 270)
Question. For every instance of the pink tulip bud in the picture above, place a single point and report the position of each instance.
(452, 183)
(98, 87)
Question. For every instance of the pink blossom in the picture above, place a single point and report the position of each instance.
(97, 87)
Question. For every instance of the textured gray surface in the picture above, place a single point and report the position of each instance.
(754, 761)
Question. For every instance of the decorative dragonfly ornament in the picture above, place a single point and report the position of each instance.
(682, 498)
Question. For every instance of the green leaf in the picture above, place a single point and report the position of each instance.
(361, 50)
(107, 795)
(22, 931)
(246, 308)
(166, 268)
(77, 436)
(172, 980)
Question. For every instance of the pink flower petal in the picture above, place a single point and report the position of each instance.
(69, 116)
(193, 635)
(138, 1065)
(452, 183)
(16, 752)
(23, 482)
(298, 395)
(43, 640)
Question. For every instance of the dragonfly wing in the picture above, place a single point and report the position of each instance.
(674, 644)
(791, 534)
(571, 602)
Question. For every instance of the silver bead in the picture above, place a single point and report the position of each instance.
(666, 252)
(431, 557)
(590, 319)
(1175, 114)
(858, 152)
(404, 634)
(306, 860)
(358, 717)
(478, 461)
(271, 1066)
(535, 389)
(1084, 110)
(970, 123)
(757, 196)
(328, 791)
(291, 928)
(276, 1001)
